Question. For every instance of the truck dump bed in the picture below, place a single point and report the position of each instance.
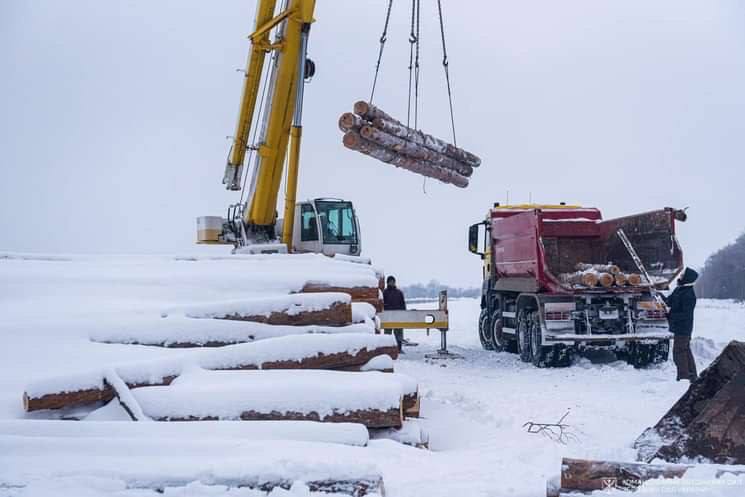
(536, 249)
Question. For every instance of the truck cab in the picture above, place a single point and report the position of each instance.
(328, 226)
(558, 280)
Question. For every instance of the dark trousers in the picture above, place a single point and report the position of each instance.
(399, 334)
(683, 358)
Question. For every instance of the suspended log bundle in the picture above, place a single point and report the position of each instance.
(336, 352)
(371, 131)
(708, 420)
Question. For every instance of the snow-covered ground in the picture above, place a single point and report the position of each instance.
(474, 408)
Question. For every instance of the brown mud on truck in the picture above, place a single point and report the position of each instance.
(558, 280)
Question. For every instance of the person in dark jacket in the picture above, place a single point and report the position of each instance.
(393, 300)
(681, 304)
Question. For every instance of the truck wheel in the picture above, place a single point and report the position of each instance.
(523, 336)
(641, 355)
(543, 356)
(498, 339)
(661, 352)
(485, 330)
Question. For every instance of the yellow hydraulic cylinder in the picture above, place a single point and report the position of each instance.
(273, 150)
(291, 189)
(251, 82)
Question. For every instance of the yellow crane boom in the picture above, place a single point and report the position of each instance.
(282, 124)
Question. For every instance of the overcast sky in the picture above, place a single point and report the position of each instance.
(113, 118)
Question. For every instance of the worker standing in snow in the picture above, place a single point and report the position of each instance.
(681, 304)
(393, 300)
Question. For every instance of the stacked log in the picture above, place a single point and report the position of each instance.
(370, 295)
(338, 353)
(604, 275)
(371, 131)
(708, 421)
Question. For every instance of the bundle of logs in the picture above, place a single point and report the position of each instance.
(604, 275)
(372, 132)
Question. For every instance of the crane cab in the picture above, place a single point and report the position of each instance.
(326, 225)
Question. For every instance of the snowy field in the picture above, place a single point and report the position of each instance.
(474, 408)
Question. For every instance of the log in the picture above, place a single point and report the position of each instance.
(413, 150)
(606, 280)
(320, 352)
(710, 405)
(330, 309)
(124, 395)
(351, 122)
(579, 475)
(337, 314)
(402, 131)
(358, 293)
(182, 332)
(368, 111)
(354, 141)
(634, 279)
(718, 432)
(603, 268)
(620, 279)
(164, 464)
(373, 399)
(383, 121)
(588, 279)
(302, 431)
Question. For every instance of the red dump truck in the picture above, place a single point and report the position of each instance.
(558, 280)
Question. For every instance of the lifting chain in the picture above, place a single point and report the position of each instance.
(383, 38)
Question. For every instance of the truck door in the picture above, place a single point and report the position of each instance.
(306, 236)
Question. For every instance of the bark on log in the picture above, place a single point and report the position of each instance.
(711, 413)
(606, 280)
(400, 130)
(354, 141)
(620, 279)
(583, 279)
(358, 293)
(413, 150)
(578, 475)
(338, 314)
(349, 122)
(213, 361)
(369, 112)
(604, 268)
(718, 432)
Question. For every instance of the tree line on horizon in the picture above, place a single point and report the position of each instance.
(432, 290)
(723, 274)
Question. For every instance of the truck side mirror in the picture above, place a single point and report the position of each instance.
(473, 239)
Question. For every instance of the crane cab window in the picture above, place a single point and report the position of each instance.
(337, 222)
(309, 226)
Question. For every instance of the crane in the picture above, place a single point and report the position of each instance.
(321, 225)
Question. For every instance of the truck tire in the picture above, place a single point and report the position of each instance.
(485, 330)
(641, 355)
(547, 356)
(523, 336)
(499, 341)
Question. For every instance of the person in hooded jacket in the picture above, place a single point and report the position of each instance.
(681, 304)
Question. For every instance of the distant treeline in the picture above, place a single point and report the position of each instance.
(432, 290)
(723, 275)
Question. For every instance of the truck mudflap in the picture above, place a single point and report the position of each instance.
(629, 337)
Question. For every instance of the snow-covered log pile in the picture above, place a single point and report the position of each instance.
(372, 399)
(372, 132)
(329, 309)
(181, 466)
(708, 421)
(313, 351)
(603, 275)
